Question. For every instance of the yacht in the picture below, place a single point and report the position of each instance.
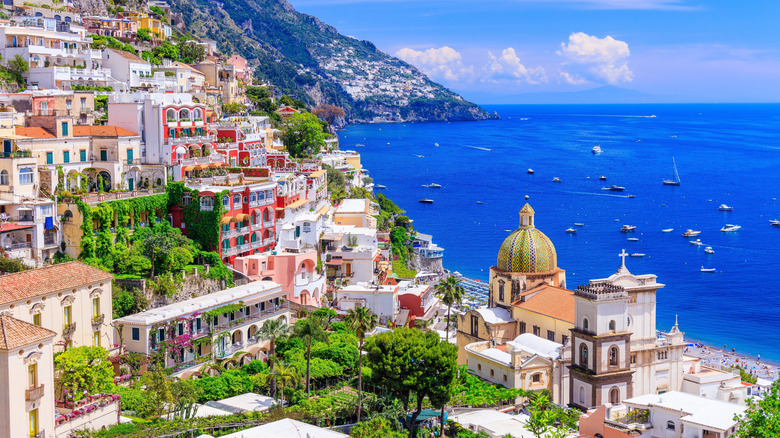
(379, 186)
(703, 269)
(602, 178)
(724, 207)
(614, 188)
(709, 250)
(479, 202)
(675, 180)
(628, 228)
(631, 196)
(579, 224)
(571, 230)
(729, 227)
(774, 223)
(556, 179)
(697, 242)
(633, 239)
(638, 254)
(596, 149)
(691, 233)
(432, 186)
(530, 171)
(667, 230)
(426, 201)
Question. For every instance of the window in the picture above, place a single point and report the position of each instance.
(551, 335)
(96, 306)
(306, 227)
(67, 315)
(612, 326)
(662, 355)
(613, 356)
(69, 104)
(583, 355)
(536, 378)
(49, 157)
(585, 324)
(479, 367)
(33, 422)
(504, 377)
(83, 155)
(96, 339)
(181, 329)
(537, 331)
(226, 202)
(564, 339)
(103, 155)
(474, 326)
(206, 203)
(129, 156)
(236, 200)
(161, 334)
(501, 291)
(522, 327)
(66, 156)
(64, 129)
(492, 373)
(83, 105)
(670, 425)
(614, 395)
(252, 198)
(32, 376)
(37, 319)
(632, 358)
(186, 198)
(135, 334)
(4, 178)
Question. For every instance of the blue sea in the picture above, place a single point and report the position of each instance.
(725, 154)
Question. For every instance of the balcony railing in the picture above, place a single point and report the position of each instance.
(69, 329)
(269, 241)
(17, 154)
(251, 317)
(33, 394)
(229, 251)
(98, 319)
(268, 224)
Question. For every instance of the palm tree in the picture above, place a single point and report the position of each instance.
(450, 292)
(310, 329)
(272, 330)
(362, 321)
(284, 374)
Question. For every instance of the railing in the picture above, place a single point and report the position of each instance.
(133, 161)
(229, 251)
(268, 224)
(17, 246)
(33, 394)
(98, 319)
(257, 244)
(251, 317)
(69, 329)
(17, 154)
(269, 241)
(244, 247)
(48, 241)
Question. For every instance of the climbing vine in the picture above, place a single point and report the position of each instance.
(202, 226)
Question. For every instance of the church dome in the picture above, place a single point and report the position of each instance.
(527, 249)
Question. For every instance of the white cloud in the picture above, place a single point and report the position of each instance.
(508, 66)
(595, 59)
(442, 63)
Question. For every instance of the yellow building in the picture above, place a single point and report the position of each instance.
(145, 21)
(357, 212)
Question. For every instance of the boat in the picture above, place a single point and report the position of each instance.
(667, 230)
(602, 178)
(556, 180)
(419, 156)
(697, 242)
(507, 231)
(596, 149)
(675, 181)
(638, 254)
(709, 250)
(628, 228)
(691, 233)
(724, 207)
(379, 186)
(359, 145)
(614, 188)
(631, 196)
(729, 227)
(571, 230)
(579, 224)
(426, 201)
(530, 171)
(436, 144)
(774, 223)
(432, 186)
(633, 239)
(479, 202)
(703, 269)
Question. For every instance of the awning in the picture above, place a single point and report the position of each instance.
(296, 204)
(334, 262)
(214, 165)
(332, 236)
(227, 220)
(7, 228)
(323, 210)
(242, 217)
(189, 168)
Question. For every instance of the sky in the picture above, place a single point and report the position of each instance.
(490, 51)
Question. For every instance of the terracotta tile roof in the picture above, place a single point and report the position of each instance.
(129, 56)
(33, 132)
(15, 333)
(551, 301)
(41, 281)
(100, 131)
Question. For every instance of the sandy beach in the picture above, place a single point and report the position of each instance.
(720, 358)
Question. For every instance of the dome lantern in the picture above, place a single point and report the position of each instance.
(527, 249)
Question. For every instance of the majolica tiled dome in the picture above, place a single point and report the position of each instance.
(527, 249)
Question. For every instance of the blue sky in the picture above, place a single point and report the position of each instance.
(490, 50)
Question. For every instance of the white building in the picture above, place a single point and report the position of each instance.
(128, 68)
(382, 300)
(351, 253)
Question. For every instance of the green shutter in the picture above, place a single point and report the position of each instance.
(83, 155)
(49, 157)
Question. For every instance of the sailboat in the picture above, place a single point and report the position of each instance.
(675, 181)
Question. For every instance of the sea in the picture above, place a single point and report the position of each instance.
(725, 154)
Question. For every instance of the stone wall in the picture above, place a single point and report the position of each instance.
(193, 285)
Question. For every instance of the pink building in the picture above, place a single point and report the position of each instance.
(295, 271)
(242, 71)
(420, 300)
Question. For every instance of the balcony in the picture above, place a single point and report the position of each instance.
(244, 247)
(98, 319)
(69, 329)
(17, 154)
(226, 252)
(252, 318)
(233, 232)
(269, 241)
(33, 394)
(268, 224)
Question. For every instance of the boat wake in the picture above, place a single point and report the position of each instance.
(480, 148)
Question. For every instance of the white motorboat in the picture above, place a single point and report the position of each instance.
(596, 149)
(709, 250)
(571, 230)
(667, 230)
(556, 180)
(724, 207)
(614, 188)
(638, 254)
(379, 186)
(628, 228)
(697, 242)
(432, 186)
(774, 223)
(691, 233)
(703, 269)
(633, 239)
(530, 171)
(602, 178)
(579, 224)
(426, 201)
(729, 227)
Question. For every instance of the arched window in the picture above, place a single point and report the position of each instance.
(585, 324)
(501, 291)
(612, 326)
(582, 395)
(226, 202)
(614, 395)
(236, 200)
(246, 200)
(253, 197)
(670, 425)
(306, 227)
(613, 356)
(170, 115)
(198, 114)
(226, 244)
(184, 114)
(26, 175)
(4, 178)
(583, 355)
(206, 203)
(186, 198)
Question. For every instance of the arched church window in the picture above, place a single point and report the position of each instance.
(583, 355)
(670, 425)
(614, 395)
(501, 291)
(585, 324)
(613, 356)
(582, 395)
(536, 378)
(612, 326)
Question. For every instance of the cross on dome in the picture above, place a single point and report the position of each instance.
(623, 256)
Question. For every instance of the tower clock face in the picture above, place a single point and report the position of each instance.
(629, 320)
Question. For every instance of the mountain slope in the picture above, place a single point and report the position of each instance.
(309, 59)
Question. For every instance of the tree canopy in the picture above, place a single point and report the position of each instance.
(762, 419)
(84, 370)
(302, 135)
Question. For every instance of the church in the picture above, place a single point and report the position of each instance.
(608, 349)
